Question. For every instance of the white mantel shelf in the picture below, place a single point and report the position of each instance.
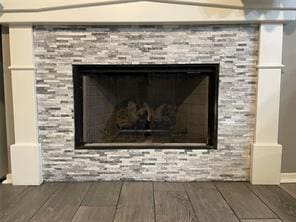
(150, 11)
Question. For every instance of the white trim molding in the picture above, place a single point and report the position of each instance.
(21, 68)
(270, 66)
(288, 177)
(266, 163)
(266, 153)
(26, 164)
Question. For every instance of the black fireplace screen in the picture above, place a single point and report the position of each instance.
(145, 105)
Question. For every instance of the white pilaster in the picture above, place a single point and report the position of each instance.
(265, 151)
(25, 153)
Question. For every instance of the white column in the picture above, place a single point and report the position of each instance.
(266, 153)
(25, 153)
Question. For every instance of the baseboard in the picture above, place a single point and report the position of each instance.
(288, 177)
(26, 167)
(266, 163)
(8, 179)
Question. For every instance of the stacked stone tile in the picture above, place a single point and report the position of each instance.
(234, 47)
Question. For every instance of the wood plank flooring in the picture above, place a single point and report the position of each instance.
(290, 188)
(172, 203)
(102, 194)
(148, 202)
(208, 203)
(281, 202)
(243, 201)
(63, 203)
(135, 203)
(27, 204)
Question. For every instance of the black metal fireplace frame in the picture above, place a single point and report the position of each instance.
(212, 70)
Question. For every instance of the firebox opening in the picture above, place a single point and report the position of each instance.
(145, 105)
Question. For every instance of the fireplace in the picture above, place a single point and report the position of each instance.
(47, 41)
(146, 106)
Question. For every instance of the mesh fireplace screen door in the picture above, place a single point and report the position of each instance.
(145, 107)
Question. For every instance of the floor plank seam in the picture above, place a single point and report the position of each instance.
(264, 219)
(226, 201)
(260, 218)
(117, 202)
(58, 187)
(88, 190)
(287, 192)
(263, 202)
(105, 205)
(154, 207)
(82, 201)
(188, 196)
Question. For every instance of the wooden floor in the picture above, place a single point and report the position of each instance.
(148, 201)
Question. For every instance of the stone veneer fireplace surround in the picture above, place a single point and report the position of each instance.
(234, 47)
(44, 147)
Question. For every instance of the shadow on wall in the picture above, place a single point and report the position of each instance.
(249, 7)
(255, 14)
(291, 29)
(1, 10)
